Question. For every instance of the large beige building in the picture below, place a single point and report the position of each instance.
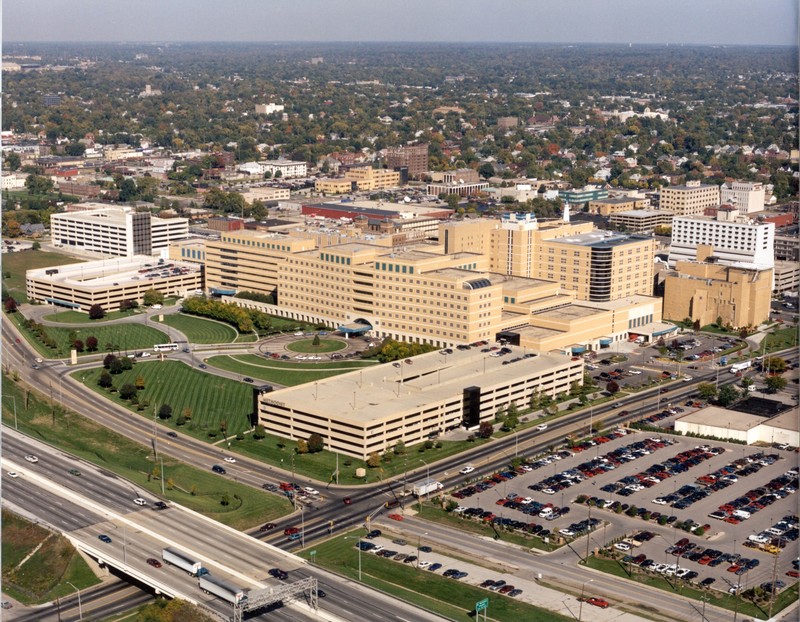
(109, 282)
(689, 199)
(641, 220)
(361, 178)
(704, 291)
(597, 265)
(371, 410)
(606, 207)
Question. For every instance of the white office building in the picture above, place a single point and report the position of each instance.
(689, 199)
(117, 231)
(747, 196)
(735, 238)
(284, 169)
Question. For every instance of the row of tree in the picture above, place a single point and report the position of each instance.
(245, 320)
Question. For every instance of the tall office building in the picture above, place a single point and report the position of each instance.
(746, 196)
(689, 199)
(116, 231)
(412, 157)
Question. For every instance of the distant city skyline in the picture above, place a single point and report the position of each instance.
(680, 22)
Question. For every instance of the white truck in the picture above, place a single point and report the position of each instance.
(426, 487)
(174, 557)
(226, 591)
(737, 367)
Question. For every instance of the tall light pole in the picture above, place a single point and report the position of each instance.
(580, 607)
(302, 527)
(80, 608)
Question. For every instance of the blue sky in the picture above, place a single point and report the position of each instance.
(731, 22)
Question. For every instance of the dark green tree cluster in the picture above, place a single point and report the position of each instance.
(40, 332)
(396, 350)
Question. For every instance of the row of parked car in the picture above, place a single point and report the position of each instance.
(487, 516)
(707, 556)
(657, 473)
(501, 587)
(774, 539)
(601, 464)
(756, 499)
(489, 482)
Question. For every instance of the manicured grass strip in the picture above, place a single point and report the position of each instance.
(438, 515)
(306, 346)
(210, 399)
(781, 339)
(322, 465)
(76, 317)
(122, 337)
(285, 373)
(18, 263)
(421, 587)
(719, 599)
(220, 498)
(200, 330)
(43, 576)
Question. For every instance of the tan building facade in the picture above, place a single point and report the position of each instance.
(362, 178)
(690, 199)
(371, 410)
(606, 207)
(705, 291)
(641, 220)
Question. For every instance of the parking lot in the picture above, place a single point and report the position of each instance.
(674, 465)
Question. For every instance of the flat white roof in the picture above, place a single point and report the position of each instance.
(107, 272)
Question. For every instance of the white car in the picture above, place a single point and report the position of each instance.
(156, 306)
(32, 459)
(230, 459)
(13, 474)
(140, 501)
(424, 564)
(144, 355)
(298, 334)
(622, 546)
(311, 491)
(466, 470)
(541, 427)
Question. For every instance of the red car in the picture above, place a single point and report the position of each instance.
(154, 562)
(396, 516)
(347, 501)
(267, 527)
(290, 530)
(597, 602)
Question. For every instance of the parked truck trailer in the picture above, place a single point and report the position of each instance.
(174, 557)
(226, 591)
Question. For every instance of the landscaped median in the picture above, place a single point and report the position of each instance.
(444, 596)
(227, 501)
(284, 373)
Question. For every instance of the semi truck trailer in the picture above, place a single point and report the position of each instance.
(226, 591)
(174, 557)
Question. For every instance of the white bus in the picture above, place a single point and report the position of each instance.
(165, 347)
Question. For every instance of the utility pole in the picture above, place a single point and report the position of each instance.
(772, 587)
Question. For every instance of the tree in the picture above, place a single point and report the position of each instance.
(774, 365)
(775, 383)
(486, 170)
(186, 413)
(91, 343)
(10, 305)
(315, 342)
(302, 446)
(485, 429)
(108, 359)
(706, 391)
(374, 460)
(727, 395)
(13, 161)
(38, 184)
(96, 312)
(116, 366)
(127, 391)
(612, 387)
(399, 448)
(165, 412)
(259, 432)
(105, 380)
(139, 383)
(718, 322)
(153, 297)
(315, 443)
(36, 246)
(78, 345)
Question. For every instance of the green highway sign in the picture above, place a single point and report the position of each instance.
(482, 605)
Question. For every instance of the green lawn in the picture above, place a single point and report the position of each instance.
(436, 514)
(780, 339)
(322, 465)
(17, 263)
(307, 346)
(719, 599)
(210, 399)
(199, 330)
(42, 576)
(284, 373)
(77, 317)
(198, 489)
(123, 336)
(441, 595)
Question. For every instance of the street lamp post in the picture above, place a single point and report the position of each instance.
(580, 606)
(302, 527)
(80, 608)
